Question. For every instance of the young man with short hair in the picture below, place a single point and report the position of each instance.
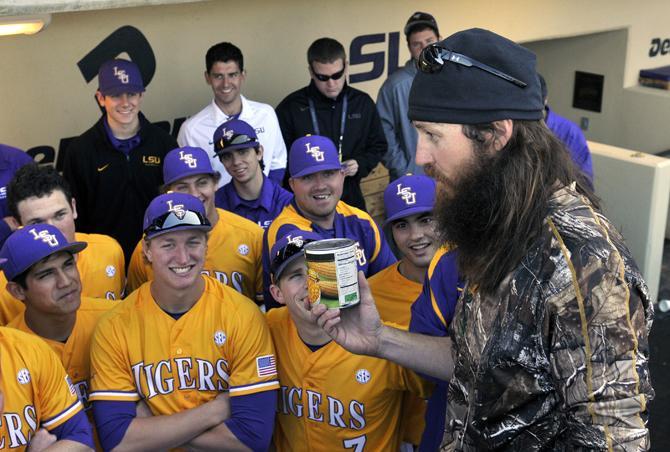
(114, 168)
(250, 193)
(225, 74)
(420, 30)
(40, 195)
(42, 273)
(317, 180)
(328, 106)
(234, 244)
(194, 351)
(330, 398)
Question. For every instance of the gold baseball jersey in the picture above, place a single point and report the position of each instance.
(394, 295)
(331, 399)
(37, 391)
(75, 353)
(234, 248)
(101, 268)
(141, 352)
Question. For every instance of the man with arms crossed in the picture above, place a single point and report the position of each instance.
(330, 398)
(41, 195)
(234, 244)
(225, 74)
(548, 347)
(182, 344)
(420, 30)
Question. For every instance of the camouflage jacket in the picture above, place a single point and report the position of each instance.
(557, 359)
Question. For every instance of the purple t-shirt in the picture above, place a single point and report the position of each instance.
(261, 211)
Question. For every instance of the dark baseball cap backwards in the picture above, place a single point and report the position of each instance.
(475, 76)
(420, 18)
(287, 249)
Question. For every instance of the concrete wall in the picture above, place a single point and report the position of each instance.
(45, 98)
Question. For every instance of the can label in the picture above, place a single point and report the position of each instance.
(332, 272)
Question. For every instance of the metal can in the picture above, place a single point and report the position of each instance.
(332, 272)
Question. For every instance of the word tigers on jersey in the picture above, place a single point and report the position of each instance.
(13, 424)
(291, 402)
(237, 279)
(191, 373)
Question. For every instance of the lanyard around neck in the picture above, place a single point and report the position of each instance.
(315, 121)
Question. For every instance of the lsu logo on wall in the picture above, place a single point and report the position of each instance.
(406, 194)
(151, 160)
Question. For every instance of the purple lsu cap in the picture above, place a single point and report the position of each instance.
(287, 249)
(408, 195)
(174, 212)
(119, 76)
(311, 154)
(27, 246)
(234, 134)
(187, 161)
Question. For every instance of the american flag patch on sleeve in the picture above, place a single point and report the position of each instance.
(266, 365)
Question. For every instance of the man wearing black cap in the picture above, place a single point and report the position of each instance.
(420, 30)
(548, 346)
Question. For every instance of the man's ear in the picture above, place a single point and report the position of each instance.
(146, 251)
(100, 98)
(276, 294)
(16, 290)
(503, 133)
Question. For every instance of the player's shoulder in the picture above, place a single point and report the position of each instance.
(443, 259)
(121, 313)
(383, 276)
(357, 95)
(352, 213)
(287, 220)
(239, 223)
(294, 99)
(233, 303)
(260, 108)
(277, 318)
(97, 306)
(199, 117)
(99, 243)
(15, 342)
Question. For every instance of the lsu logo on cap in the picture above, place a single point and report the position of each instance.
(315, 152)
(45, 237)
(297, 240)
(121, 75)
(406, 194)
(190, 161)
(178, 209)
(228, 133)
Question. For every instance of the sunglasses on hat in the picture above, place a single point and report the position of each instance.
(433, 58)
(237, 139)
(324, 78)
(172, 219)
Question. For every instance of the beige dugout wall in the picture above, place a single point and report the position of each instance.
(45, 98)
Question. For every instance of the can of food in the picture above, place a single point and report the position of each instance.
(332, 272)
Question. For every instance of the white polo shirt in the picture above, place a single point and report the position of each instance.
(198, 130)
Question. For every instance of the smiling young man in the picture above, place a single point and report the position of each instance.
(328, 106)
(317, 179)
(41, 270)
(42, 273)
(194, 351)
(225, 74)
(234, 245)
(548, 345)
(250, 193)
(420, 31)
(330, 399)
(114, 168)
(41, 195)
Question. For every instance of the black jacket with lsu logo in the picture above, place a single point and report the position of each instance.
(113, 190)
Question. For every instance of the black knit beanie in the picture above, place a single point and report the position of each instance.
(469, 95)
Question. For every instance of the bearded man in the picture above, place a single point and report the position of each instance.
(548, 345)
